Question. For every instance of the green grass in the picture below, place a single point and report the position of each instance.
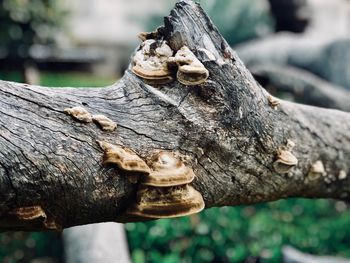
(53, 79)
(231, 234)
(63, 79)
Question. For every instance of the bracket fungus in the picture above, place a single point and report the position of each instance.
(168, 171)
(34, 213)
(166, 202)
(316, 170)
(105, 123)
(190, 70)
(29, 213)
(124, 158)
(285, 161)
(79, 113)
(151, 62)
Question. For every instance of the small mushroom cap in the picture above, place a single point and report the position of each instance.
(316, 170)
(191, 79)
(124, 158)
(191, 71)
(168, 171)
(287, 158)
(150, 74)
(318, 167)
(29, 212)
(285, 162)
(150, 61)
(154, 202)
(79, 113)
(106, 123)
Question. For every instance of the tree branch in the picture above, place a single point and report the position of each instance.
(304, 86)
(225, 129)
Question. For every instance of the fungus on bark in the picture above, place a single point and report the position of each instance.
(79, 113)
(342, 175)
(34, 213)
(148, 35)
(151, 62)
(273, 102)
(285, 161)
(105, 123)
(166, 202)
(167, 171)
(316, 170)
(124, 158)
(190, 70)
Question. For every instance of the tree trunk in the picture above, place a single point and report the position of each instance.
(105, 242)
(226, 129)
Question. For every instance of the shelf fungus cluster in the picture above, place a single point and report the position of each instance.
(163, 189)
(165, 192)
(155, 64)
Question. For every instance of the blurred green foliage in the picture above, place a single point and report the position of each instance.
(25, 22)
(237, 20)
(240, 20)
(232, 234)
(18, 247)
(62, 79)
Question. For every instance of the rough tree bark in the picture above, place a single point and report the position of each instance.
(226, 128)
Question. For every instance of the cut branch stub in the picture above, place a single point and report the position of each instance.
(168, 202)
(124, 158)
(168, 171)
(191, 71)
(151, 62)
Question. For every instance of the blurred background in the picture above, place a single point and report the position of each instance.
(297, 49)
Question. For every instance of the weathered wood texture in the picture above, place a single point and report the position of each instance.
(225, 127)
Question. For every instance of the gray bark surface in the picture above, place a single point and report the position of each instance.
(225, 127)
(305, 86)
